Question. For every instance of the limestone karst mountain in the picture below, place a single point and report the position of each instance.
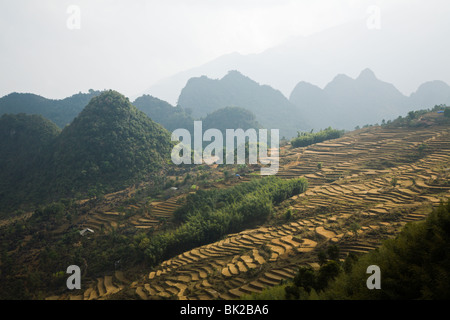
(271, 108)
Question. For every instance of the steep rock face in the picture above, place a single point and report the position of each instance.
(272, 110)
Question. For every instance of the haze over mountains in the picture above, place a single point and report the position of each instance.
(272, 109)
(343, 103)
(342, 77)
(406, 57)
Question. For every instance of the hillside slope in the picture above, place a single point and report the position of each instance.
(24, 141)
(371, 183)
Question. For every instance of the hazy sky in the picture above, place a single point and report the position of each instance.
(128, 45)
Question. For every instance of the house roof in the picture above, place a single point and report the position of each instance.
(82, 232)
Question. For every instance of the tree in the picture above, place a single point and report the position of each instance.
(329, 271)
(322, 256)
(333, 252)
(354, 227)
(288, 214)
(447, 112)
(305, 279)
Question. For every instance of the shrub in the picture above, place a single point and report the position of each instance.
(447, 112)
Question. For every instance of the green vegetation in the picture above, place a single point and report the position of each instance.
(110, 145)
(230, 118)
(34, 259)
(24, 140)
(414, 265)
(209, 215)
(420, 118)
(305, 139)
(447, 112)
(168, 116)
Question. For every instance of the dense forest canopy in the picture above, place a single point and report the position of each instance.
(231, 118)
(111, 143)
(160, 111)
(307, 138)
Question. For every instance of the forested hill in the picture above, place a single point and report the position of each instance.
(231, 118)
(173, 118)
(164, 113)
(61, 112)
(110, 145)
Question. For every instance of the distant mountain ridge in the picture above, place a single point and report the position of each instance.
(317, 58)
(203, 95)
(61, 112)
(345, 102)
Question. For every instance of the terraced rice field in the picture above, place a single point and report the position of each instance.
(141, 217)
(156, 214)
(101, 288)
(345, 191)
(371, 184)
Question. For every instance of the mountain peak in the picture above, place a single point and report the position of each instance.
(367, 74)
(109, 143)
(342, 77)
(235, 75)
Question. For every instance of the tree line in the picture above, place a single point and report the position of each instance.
(305, 139)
